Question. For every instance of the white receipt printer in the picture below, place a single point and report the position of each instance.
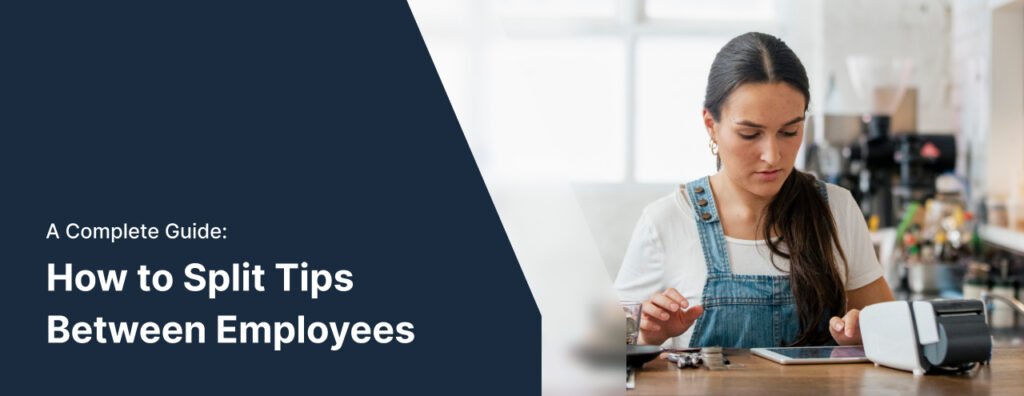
(926, 336)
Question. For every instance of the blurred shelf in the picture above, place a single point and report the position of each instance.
(1004, 237)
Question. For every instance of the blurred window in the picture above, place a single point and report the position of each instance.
(614, 87)
(714, 10)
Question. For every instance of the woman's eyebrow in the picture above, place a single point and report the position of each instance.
(756, 125)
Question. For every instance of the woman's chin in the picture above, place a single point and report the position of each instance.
(765, 188)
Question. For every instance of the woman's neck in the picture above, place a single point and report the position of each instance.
(738, 208)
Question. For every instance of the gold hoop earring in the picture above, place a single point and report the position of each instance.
(714, 148)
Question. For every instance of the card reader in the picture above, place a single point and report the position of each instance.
(926, 336)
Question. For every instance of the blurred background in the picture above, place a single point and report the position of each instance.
(917, 108)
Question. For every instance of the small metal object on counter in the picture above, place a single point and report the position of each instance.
(710, 358)
(685, 360)
(713, 358)
(688, 360)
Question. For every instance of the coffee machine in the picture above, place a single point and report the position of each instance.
(892, 171)
(885, 171)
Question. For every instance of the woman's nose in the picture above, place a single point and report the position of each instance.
(770, 152)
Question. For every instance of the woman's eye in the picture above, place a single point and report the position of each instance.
(751, 136)
(788, 133)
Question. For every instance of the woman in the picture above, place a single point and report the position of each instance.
(758, 254)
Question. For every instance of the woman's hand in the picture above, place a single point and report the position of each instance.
(666, 315)
(846, 330)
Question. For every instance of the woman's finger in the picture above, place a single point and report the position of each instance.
(850, 322)
(652, 311)
(648, 325)
(665, 303)
(677, 297)
(836, 325)
(690, 315)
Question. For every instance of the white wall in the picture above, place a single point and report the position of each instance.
(919, 29)
(988, 93)
(970, 66)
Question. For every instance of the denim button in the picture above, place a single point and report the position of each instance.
(699, 190)
(702, 202)
(706, 216)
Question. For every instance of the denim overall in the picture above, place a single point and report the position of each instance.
(740, 311)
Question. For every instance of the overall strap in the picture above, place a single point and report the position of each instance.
(712, 239)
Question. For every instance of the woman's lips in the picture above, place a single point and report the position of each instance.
(769, 175)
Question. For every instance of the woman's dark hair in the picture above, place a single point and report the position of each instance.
(798, 213)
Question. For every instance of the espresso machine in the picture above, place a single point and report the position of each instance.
(885, 171)
(892, 171)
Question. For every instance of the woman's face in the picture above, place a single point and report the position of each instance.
(759, 134)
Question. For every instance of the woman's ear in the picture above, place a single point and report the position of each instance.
(709, 124)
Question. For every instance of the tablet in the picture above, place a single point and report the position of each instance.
(813, 355)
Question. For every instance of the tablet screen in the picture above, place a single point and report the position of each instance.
(824, 352)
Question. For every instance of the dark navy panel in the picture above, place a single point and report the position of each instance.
(313, 131)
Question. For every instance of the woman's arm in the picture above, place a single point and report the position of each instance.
(641, 272)
(874, 292)
(664, 314)
(846, 330)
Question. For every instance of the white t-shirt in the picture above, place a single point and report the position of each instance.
(665, 252)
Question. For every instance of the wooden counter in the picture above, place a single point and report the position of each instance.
(760, 376)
